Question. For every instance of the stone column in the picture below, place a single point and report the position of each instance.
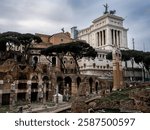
(117, 70)
(100, 41)
(114, 41)
(117, 39)
(121, 83)
(74, 89)
(28, 95)
(108, 37)
(44, 92)
(12, 96)
(120, 38)
(97, 38)
(102, 37)
(50, 92)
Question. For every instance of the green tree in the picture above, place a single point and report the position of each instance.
(9, 40)
(140, 57)
(77, 49)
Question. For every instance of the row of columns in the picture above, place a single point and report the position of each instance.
(116, 37)
(101, 38)
(113, 37)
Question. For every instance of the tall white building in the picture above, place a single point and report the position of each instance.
(105, 33)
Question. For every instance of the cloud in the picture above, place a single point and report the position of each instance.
(49, 16)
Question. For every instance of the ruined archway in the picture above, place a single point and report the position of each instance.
(47, 85)
(78, 81)
(35, 61)
(35, 78)
(34, 92)
(22, 76)
(96, 87)
(60, 85)
(68, 87)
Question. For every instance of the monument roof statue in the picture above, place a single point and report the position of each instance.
(106, 8)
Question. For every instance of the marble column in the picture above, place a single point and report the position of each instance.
(120, 38)
(108, 37)
(117, 39)
(114, 41)
(100, 38)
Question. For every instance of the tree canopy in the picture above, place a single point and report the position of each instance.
(10, 39)
(139, 57)
(77, 49)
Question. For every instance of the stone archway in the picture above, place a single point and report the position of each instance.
(78, 82)
(47, 87)
(35, 61)
(22, 76)
(34, 92)
(68, 85)
(60, 85)
(34, 78)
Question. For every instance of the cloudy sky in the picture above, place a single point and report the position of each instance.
(49, 16)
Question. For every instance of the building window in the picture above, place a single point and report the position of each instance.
(84, 65)
(62, 40)
(53, 61)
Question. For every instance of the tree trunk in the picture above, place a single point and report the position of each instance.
(77, 65)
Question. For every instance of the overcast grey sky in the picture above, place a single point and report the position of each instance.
(49, 16)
